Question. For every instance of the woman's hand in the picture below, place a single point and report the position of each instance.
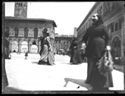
(108, 47)
(83, 46)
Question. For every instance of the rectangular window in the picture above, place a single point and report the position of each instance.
(30, 33)
(21, 32)
(11, 32)
(39, 32)
(116, 26)
(112, 27)
(120, 23)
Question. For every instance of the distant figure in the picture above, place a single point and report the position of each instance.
(10, 54)
(72, 49)
(75, 52)
(6, 46)
(83, 56)
(14, 51)
(26, 55)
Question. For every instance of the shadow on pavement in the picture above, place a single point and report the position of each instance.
(80, 82)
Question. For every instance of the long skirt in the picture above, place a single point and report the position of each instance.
(94, 77)
(77, 56)
(51, 58)
(47, 56)
(44, 55)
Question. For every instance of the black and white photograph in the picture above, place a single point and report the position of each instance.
(63, 47)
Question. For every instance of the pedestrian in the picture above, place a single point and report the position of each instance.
(83, 57)
(26, 55)
(46, 54)
(6, 46)
(73, 49)
(10, 54)
(96, 39)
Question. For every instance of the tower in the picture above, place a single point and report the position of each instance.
(20, 9)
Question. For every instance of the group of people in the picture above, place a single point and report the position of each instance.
(46, 52)
(95, 40)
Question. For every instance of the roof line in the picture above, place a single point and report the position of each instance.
(33, 19)
(95, 5)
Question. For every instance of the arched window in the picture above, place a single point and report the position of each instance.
(121, 20)
(16, 31)
(112, 27)
(116, 47)
(26, 32)
(116, 26)
(35, 33)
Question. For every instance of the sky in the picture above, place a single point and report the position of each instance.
(67, 15)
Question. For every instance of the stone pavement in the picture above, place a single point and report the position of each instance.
(27, 75)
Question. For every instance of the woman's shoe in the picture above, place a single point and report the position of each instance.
(39, 62)
(42, 62)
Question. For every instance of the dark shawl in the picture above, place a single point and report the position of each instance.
(96, 30)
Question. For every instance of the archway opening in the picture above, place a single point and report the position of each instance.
(116, 47)
(24, 46)
(14, 46)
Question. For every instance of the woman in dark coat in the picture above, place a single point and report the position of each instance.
(72, 50)
(96, 40)
(75, 52)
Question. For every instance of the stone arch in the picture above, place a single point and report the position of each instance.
(14, 46)
(24, 46)
(116, 46)
(34, 49)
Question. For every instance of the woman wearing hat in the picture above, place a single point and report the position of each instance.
(96, 39)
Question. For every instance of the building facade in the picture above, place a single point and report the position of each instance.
(62, 42)
(75, 32)
(25, 32)
(113, 14)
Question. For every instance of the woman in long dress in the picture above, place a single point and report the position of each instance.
(96, 40)
(46, 49)
(72, 49)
